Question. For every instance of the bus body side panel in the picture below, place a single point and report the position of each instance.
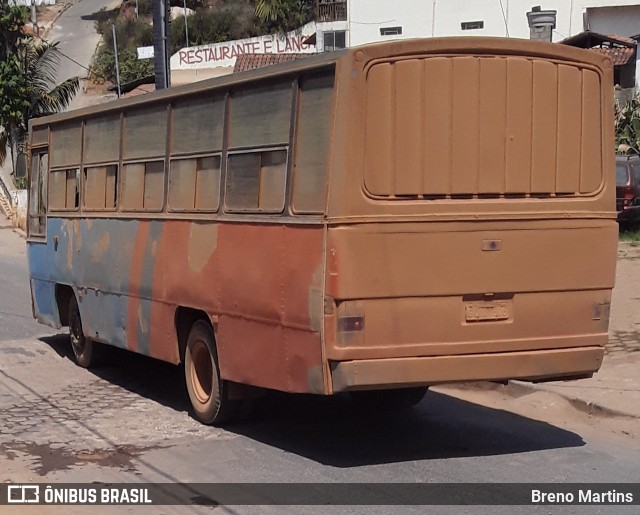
(94, 258)
(263, 283)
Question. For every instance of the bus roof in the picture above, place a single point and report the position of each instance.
(449, 45)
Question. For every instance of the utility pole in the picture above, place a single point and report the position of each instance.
(115, 51)
(161, 31)
(186, 25)
(34, 18)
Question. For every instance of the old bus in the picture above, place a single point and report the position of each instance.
(378, 219)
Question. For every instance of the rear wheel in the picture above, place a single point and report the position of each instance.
(399, 398)
(208, 392)
(85, 350)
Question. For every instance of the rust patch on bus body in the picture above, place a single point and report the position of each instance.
(203, 240)
(257, 279)
(137, 265)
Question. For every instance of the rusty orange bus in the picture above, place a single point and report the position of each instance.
(378, 219)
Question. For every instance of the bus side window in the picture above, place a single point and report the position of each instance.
(38, 194)
(143, 186)
(256, 181)
(310, 172)
(194, 184)
(100, 187)
(64, 193)
(260, 116)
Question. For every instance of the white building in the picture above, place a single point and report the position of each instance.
(344, 23)
(356, 22)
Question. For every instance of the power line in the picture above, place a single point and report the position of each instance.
(504, 17)
(72, 59)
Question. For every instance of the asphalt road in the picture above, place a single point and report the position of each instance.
(130, 422)
(77, 39)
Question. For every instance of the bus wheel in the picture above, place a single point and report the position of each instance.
(85, 350)
(398, 398)
(208, 393)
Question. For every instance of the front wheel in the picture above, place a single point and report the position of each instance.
(85, 350)
(208, 392)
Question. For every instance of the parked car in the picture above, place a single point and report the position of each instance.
(628, 188)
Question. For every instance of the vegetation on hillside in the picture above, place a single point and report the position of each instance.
(212, 21)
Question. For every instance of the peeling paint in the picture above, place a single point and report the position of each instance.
(203, 240)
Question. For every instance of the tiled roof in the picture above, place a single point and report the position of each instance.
(140, 90)
(619, 56)
(246, 62)
(589, 39)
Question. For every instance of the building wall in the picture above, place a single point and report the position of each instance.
(428, 18)
(367, 17)
(623, 21)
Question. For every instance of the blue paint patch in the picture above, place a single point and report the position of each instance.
(92, 256)
(46, 308)
(146, 286)
(104, 317)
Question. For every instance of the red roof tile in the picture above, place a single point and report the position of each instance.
(246, 62)
(140, 90)
(619, 56)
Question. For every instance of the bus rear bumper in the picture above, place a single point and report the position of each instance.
(540, 365)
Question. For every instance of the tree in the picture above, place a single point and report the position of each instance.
(628, 126)
(269, 9)
(12, 20)
(284, 15)
(28, 89)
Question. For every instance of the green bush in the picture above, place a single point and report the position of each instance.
(131, 68)
(628, 126)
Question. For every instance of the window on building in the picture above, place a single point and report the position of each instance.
(256, 181)
(390, 31)
(335, 40)
(472, 25)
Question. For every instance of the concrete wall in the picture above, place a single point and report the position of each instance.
(623, 21)
(19, 202)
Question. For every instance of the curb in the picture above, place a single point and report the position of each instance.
(590, 408)
(20, 232)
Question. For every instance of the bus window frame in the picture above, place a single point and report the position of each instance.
(66, 170)
(87, 166)
(121, 207)
(284, 211)
(42, 190)
(185, 157)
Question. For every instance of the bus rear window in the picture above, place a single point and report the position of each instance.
(481, 127)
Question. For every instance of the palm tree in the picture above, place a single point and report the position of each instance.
(268, 9)
(38, 63)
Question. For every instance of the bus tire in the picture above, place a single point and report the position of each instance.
(208, 392)
(394, 399)
(85, 350)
